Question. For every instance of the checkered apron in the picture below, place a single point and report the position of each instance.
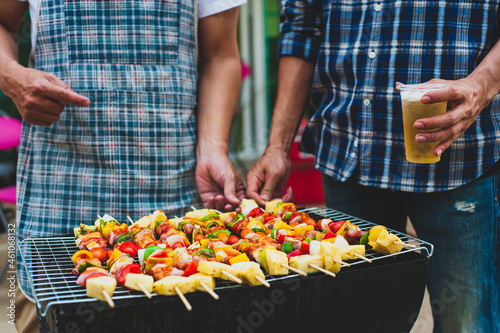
(133, 150)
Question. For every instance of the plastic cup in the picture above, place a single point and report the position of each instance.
(414, 109)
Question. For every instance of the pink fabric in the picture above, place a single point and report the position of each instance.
(246, 70)
(8, 195)
(10, 133)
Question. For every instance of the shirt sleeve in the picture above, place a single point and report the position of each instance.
(301, 28)
(211, 7)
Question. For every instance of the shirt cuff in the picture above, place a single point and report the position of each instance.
(297, 45)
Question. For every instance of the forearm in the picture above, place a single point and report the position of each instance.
(8, 58)
(487, 74)
(218, 91)
(294, 84)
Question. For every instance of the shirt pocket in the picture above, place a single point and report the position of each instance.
(123, 31)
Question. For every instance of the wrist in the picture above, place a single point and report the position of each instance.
(488, 81)
(211, 149)
(11, 70)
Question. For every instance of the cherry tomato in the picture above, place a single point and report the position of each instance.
(178, 244)
(99, 253)
(198, 237)
(233, 240)
(223, 237)
(108, 254)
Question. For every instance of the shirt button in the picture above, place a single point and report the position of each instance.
(372, 54)
(377, 7)
(366, 101)
(356, 143)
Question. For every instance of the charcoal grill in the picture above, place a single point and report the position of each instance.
(382, 296)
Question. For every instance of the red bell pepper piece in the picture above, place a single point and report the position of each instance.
(235, 227)
(191, 269)
(294, 253)
(335, 226)
(329, 234)
(156, 242)
(304, 247)
(93, 276)
(254, 212)
(281, 238)
(132, 268)
(130, 248)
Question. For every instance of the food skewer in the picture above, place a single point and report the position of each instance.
(293, 269)
(130, 219)
(232, 277)
(183, 299)
(108, 299)
(208, 290)
(144, 290)
(323, 270)
(406, 244)
(363, 258)
(264, 282)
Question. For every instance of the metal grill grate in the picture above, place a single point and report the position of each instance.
(48, 264)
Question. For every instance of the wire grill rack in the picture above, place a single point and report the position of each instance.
(48, 264)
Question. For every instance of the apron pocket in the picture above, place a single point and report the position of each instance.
(123, 31)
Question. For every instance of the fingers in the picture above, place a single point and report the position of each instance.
(254, 184)
(449, 93)
(60, 92)
(288, 196)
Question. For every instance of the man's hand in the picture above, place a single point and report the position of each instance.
(40, 96)
(218, 183)
(267, 179)
(466, 98)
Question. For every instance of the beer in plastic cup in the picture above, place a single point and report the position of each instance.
(414, 109)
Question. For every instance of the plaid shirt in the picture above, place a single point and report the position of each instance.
(361, 49)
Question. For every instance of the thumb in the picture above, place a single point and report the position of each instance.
(269, 188)
(230, 191)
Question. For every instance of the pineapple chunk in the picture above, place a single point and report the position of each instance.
(274, 261)
(331, 256)
(248, 272)
(215, 269)
(303, 262)
(207, 279)
(347, 252)
(166, 286)
(271, 205)
(385, 243)
(96, 286)
(142, 223)
(247, 205)
(133, 280)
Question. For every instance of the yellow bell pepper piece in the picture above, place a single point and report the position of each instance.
(239, 258)
(116, 253)
(282, 225)
(301, 230)
(82, 254)
(374, 233)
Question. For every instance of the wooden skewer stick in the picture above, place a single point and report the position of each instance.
(130, 219)
(406, 244)
(323, 270)
(293, 269)
(183, 299)
(232, 277)
(264, 282)
(363, 258)
(342, 262)
(99, 216)
(108, 299)
(208, 290)
(193, 208)
(144, 290)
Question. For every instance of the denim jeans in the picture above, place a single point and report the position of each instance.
(463, 225)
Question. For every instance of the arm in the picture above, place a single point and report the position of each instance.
(301, 35)
(218, 91)
(267, 179)
(467, 98)
(39, 96)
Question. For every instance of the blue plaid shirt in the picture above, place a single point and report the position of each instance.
(361, 49)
